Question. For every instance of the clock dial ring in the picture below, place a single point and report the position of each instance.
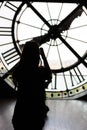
(51, 32)
(62, 70)
(13, 27)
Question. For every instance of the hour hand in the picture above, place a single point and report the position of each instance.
(65, 23)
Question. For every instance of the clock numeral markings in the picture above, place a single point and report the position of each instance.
(5, 31)
(11, 6)
(76, 76)
(1, 3)
(10, 56)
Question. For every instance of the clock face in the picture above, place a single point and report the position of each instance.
(66, 52)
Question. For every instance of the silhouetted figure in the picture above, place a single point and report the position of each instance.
(30, 111)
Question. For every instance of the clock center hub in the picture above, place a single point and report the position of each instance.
(53, 32)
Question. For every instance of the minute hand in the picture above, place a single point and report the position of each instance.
(65, 23)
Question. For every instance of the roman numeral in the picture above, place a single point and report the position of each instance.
(5, 31)
(10, 56)
(1, 3)
(11, 6)
(76, 76)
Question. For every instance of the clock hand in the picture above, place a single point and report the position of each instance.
(65, 23)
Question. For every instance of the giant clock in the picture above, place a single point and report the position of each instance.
(66, 52)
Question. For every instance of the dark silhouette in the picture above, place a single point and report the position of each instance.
(30, 111)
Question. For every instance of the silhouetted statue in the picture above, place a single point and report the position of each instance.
(30, 111)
